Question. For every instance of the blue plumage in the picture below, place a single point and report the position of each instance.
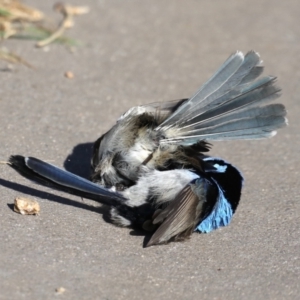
(220, 216)
(228, 181)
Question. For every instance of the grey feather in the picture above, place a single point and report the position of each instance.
(252, 112)
(258, 93)
(166, 107)
(227, 89)
(253, 74)
(236, 110)
(252, 128)
(230, 66)
(177, 221)
(230, 75)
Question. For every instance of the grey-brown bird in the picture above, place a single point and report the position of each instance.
(150, 167)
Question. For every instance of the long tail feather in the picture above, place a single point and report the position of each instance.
(257, 94)
(252, 112)
(50, 175)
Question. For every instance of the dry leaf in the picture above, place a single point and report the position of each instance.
(14, 10)
(77, 10)
(26, 206)
(15, 18)
(68, 12)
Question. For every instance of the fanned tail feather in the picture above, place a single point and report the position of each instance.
(231, 105)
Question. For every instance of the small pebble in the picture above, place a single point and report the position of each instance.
(69, 75)
(60, 290)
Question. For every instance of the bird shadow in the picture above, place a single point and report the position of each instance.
(139, 232)
(79, 160)
(44, 195)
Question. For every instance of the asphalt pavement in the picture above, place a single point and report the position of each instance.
(135, 52)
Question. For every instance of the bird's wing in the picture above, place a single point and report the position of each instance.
(177, 221)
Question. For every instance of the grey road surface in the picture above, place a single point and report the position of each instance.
(134, 52)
